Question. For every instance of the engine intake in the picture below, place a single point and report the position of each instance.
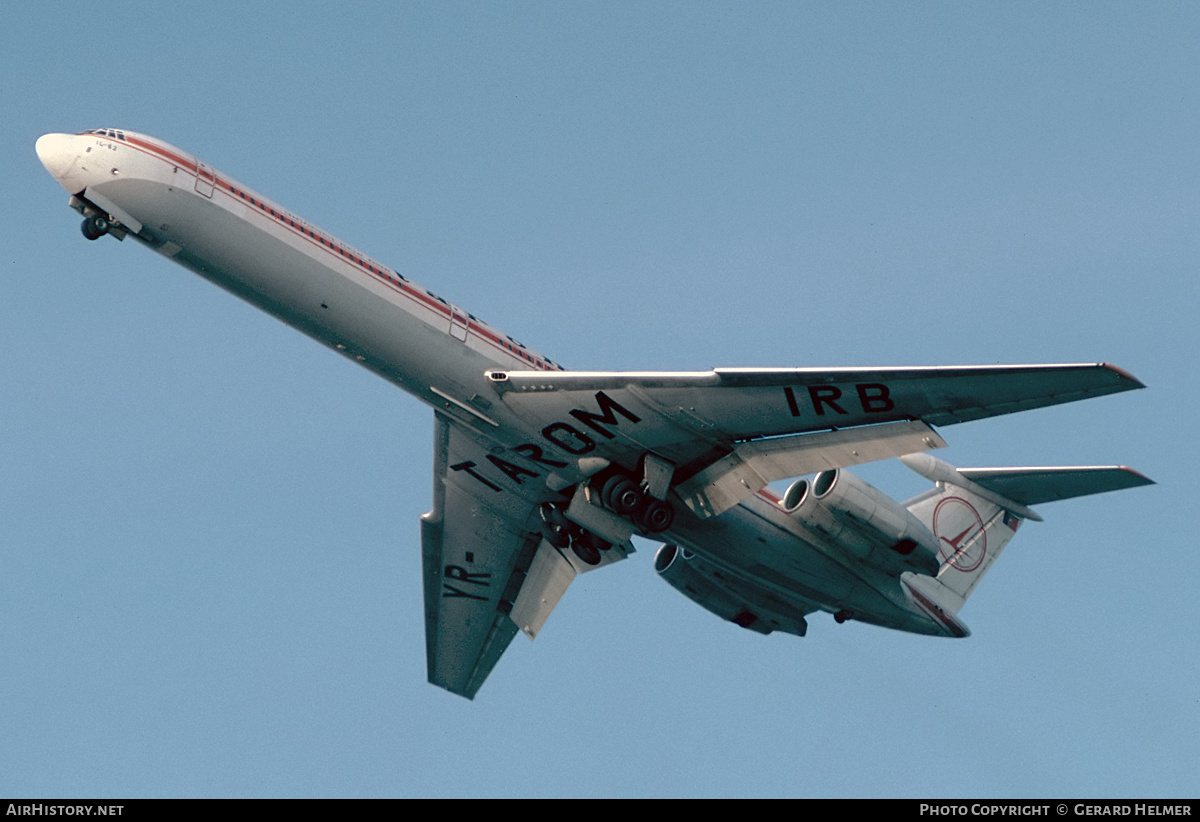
(864, 521)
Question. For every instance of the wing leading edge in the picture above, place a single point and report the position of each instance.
(743, 403)
(728, 432)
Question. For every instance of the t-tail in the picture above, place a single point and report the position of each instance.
(974, 512)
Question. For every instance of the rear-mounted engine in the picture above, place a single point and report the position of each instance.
(740, 602)
(864, 521)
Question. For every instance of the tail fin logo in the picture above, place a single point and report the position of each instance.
(961, 536)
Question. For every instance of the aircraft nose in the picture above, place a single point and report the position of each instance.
(59, 154)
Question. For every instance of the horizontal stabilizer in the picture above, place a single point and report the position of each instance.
(1032, 486)
(974, 512)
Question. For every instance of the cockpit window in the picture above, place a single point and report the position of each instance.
(111, 133)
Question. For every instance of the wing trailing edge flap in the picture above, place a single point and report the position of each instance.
(548, 577)
(553, 570)
(754, 464)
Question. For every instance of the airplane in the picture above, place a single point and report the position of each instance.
(542, 473)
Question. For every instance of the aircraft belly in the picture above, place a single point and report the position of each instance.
(289, 279)
(743, 542)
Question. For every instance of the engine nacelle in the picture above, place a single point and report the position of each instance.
(738, 603)
(864, 521)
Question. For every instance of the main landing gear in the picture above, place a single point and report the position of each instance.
(624, 497)
(95, 227)
(627, 499)
(561, 532)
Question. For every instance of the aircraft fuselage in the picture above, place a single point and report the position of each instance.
(249, 245)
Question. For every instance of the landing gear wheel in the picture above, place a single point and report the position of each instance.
(94, 227)
(595, 541)
(558, 537)
(553, 515)
(843, 615)
(657, 515)
(606, 490)
(622, 495)
(584, 549)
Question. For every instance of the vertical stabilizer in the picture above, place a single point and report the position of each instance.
(971, 532)
(974, 512)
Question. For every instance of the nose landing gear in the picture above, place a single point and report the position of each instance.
(94, 227)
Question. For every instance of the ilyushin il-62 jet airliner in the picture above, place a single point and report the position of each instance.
(541, 473)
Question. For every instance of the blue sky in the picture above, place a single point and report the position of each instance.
(209, 552)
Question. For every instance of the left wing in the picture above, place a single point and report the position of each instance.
(488, 571)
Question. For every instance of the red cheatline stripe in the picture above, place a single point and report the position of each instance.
(769, 495)
(934, 611)
(331, 246)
